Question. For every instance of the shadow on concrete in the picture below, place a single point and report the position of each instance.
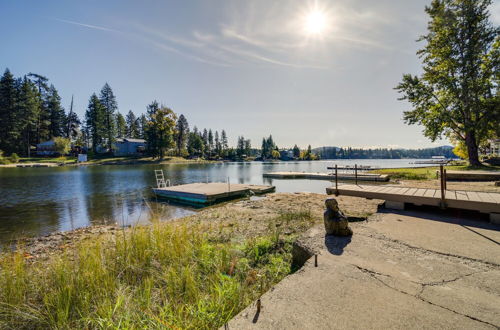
(336, 244)
(451, 216)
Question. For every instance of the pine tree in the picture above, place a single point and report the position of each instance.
(28, 106)
(210, 142)
(94, 121)
(182, 132)
(8, 100)
(43, 120)
(296, 151)
(160, 131)
(121, 125)
(223, 141)
(72, 124)
(108, 101)
(132, 125)
(218, 147)
(141, 125)
(57, 116)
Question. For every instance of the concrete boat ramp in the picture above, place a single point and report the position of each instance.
(328, 176)
(396, 197)
(209, 193)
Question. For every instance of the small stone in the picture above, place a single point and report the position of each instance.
(335, 221)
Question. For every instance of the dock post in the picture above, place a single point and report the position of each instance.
(336, 181)
(445, 180)
(356, 173)
(442, 184)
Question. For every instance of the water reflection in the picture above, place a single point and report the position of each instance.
(37, 201)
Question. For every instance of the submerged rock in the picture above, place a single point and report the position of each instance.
(335, 221)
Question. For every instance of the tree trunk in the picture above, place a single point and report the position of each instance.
(472, 149)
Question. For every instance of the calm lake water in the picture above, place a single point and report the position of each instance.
(38, 201)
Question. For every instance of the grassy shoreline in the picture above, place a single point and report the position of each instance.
(428, 173)
(196, 272)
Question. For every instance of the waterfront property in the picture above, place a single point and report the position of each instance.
(130, 147)
(47, 148)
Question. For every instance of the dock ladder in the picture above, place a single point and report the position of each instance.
(160, 180)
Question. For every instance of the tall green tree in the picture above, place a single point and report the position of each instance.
(72, 124)
(28, 107)
(43, 120)
(160, 131)
(94, 122)
(182, 132)
(457, 94)
(108, 101)
(296, 151)
(132, 126)
(8, 100)
(142, 123)
(57, 115)
(195, 144)
(121, 125)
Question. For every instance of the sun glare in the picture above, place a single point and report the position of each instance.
(315, 22)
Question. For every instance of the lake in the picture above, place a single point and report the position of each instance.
(38, 201)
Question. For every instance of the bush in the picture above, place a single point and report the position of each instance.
(62, 145)
(14, 158)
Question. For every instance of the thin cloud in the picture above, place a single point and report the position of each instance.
(95, 27)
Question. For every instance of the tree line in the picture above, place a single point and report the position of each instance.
(383, 153)
(31, 112)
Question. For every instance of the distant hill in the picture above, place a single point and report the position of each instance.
(382, 153)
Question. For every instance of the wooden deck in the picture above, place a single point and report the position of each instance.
(484, 202)
(207, 193)
(327, 176)
(473, 175)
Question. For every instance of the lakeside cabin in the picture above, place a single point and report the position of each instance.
(130, 147)
(47, 148)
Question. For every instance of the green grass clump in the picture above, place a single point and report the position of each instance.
(428, 173)
(158, 276)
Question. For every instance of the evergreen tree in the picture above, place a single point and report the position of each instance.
(121, 126)
(28, 106)
(142, 124)
(108, 101)
(8, 100)
(218, 148)
(43, 120)
(195, 144)
(240, 147)
(57, 115)
(223, 141)
(210, 141)
(94, 121)
(72, 124)
(132, 126)
(296, 151)
(182, 132)
(248, 147)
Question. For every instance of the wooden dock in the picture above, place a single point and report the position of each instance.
(327, 176)
(209, 193)
(396, 197)
(473, 175)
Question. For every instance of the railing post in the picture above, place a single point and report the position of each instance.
(356, 173)
(441, 172)
(336, 181)
(445, 180)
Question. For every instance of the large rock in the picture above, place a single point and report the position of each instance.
(335, 221)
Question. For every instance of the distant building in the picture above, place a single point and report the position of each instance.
(286, 155)
(494, 148)
(47, 148)
(129, 147)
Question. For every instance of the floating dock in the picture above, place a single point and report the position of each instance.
(396, 197)
(209, 193)
(327, 176)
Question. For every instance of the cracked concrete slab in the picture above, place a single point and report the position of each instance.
(398, 270)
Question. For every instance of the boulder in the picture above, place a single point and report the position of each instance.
(335, 221)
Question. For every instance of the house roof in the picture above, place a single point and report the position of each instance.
(121, 140)
(46, 143)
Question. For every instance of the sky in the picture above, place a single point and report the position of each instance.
(307, 72)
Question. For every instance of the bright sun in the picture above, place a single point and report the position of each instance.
(315, 22)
